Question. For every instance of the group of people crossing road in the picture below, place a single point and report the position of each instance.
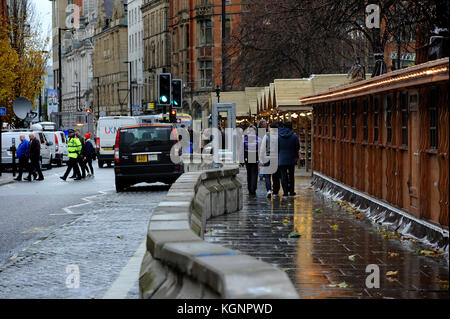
(81, 154)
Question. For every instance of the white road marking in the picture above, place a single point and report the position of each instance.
(128, 276)
(87, 201)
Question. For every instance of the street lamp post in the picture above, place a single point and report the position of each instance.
(218, 93)
(130, 86)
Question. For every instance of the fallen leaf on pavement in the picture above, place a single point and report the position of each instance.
(392, 273)
(335, 227)
(294, 234)
(318, 211)
(341, 285)
(392, 254)
(352, 257)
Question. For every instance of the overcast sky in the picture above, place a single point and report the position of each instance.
(44, 14)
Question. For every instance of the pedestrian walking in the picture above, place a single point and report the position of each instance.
(34, 154)
(262, 124)
(269, 154)
(22, 155)
(80, 159)
(249, 149)
(74, 148)
(89, 154)
(288, 147)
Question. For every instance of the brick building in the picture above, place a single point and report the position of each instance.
(196, 48)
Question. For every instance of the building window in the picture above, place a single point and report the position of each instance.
(345, 107)
(389, 119)
(333, 124)
(205, 32)
(187, 36)
(376, 111)
(205, 68)
(354, 106)
(365, 118)
(228, 28)
(404, 101)
(433, 109)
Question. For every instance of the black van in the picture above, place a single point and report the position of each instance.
(142, 154)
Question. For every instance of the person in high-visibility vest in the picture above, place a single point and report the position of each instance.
(74, 148)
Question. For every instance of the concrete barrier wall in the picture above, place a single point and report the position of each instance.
(179, 264)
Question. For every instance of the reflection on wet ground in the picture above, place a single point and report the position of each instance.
(330, 257)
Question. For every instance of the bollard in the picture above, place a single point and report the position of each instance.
(13, 151)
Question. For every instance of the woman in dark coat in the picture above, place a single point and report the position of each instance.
(89, 154)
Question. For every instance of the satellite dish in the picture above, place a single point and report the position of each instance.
(22, 107)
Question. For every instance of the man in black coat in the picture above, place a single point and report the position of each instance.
(288, 147)
(34, 154)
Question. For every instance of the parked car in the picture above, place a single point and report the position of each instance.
(58, 147)
(142, 154)
(13, 136)
(107, 128)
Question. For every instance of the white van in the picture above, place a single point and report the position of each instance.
(8, 137)
(58, 147)
(107, 127)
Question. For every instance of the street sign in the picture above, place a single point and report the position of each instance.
(2, 111)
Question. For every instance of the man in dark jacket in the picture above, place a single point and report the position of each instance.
(249, 152)
(288, 147)
(81, 157)
(21, 154)
(34, 153)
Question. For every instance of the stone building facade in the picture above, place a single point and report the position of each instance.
(77, 63)
(156, 43)
(136, 51)
(110, 54)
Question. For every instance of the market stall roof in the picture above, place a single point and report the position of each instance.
(252, 97)
(266, 98)
(288, 91)
(238, 97)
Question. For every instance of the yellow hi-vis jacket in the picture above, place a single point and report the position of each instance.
(74, 147)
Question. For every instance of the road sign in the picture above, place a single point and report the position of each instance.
(2, 111)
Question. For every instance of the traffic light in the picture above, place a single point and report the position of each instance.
(173, 116)
(164, 88)
(177, 93)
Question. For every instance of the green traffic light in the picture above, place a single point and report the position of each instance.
(164, 99)
(175, 102)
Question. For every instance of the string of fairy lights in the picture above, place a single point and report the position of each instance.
(429, 72)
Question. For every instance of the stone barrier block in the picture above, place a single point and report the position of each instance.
(169, 225)
(157, 238)
(170, 216)
(181, 255)
(217, 196)
(231, 194)
(152, 274)
(241, 276)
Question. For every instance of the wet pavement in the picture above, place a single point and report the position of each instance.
(335, 247)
